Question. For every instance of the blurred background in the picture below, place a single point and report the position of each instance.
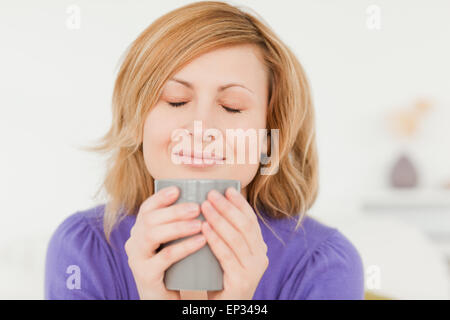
(379, 73)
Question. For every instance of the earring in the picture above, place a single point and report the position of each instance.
(264, 158)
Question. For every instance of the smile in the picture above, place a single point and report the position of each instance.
(198, 160)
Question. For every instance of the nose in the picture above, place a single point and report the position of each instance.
(199, 133)
(201, 124)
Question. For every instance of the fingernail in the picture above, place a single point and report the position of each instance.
(215, 194)
(233, 191)
(171, 191)
(192, 207)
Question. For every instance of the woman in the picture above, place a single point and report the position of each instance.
(209, 62)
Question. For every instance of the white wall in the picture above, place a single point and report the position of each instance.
(56, 86)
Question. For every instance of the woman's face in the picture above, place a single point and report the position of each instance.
(199, 84)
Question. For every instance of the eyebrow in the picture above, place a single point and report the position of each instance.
(221, 88)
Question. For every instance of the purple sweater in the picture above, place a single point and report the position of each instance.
(318, 262)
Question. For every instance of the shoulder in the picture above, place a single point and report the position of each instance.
(79, 261)
(335, 270)
(80, 223)
(87, 226)
(300, 237)
(335, 255)
(332, 267)
(80, 231)
(320, 262)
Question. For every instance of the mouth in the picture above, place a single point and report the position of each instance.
(200, 155)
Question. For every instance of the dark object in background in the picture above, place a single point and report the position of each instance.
(403, 173)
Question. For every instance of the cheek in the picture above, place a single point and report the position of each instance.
(254, 145)
(158, 126)
(243, 172)
(156, 138)
(152, 131)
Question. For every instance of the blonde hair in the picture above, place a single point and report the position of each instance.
(162, 49)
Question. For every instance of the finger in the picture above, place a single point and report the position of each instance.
(177, 251)
(179, 211)
(241, 222)
(232, 237)
(160, 199)
(241, 203)
(149, 240)
(223, 253)
(238, 200)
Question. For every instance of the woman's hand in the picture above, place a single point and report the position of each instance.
(233, 234)
(159, 222)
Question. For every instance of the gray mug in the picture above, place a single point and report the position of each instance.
(200, 270)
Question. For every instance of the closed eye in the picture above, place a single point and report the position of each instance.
(231, 110)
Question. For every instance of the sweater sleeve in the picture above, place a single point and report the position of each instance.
(334, 271)
(78, 263)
